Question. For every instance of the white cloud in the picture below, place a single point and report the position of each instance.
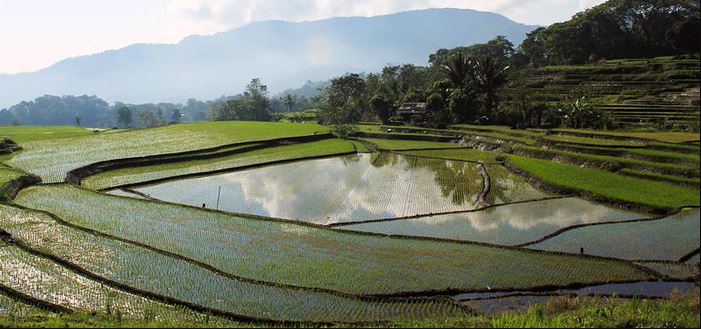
(223, 14)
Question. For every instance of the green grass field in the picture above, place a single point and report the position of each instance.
(678, 170)
(53, 158)
(25, 134)
(8, 174)
(608, 184)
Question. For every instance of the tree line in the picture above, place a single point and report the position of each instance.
(468, 84)
(459, 85)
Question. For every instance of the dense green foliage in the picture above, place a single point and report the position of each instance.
(253, 105)
(617, 29)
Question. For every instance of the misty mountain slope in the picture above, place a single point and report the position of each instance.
(283, 54)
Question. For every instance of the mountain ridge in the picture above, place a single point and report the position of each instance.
(208, 66)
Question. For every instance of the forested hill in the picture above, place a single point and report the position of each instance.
(283, 54)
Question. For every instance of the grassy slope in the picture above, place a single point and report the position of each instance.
(140, 174)
(612, 159)
(24, 134)
(608, 184)
(655, 176)
(662, 136)
(403, 144)
(7, 174)
(593, 141)
(674, 311)
(53, 158)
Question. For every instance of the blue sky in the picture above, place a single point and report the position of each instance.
(38, 33)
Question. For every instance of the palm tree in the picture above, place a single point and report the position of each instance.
(459, 69)
(290, 101)
(490, 76)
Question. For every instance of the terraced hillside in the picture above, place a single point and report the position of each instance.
(661, 91)
(224, 224)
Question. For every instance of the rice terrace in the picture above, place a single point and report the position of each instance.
(543, 185)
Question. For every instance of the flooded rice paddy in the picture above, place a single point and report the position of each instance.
(346, 189)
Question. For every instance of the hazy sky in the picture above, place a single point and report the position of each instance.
(37, 33)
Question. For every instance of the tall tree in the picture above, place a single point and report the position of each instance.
(290, 101)
(259, 104)
(124, 116)
(459, 69)
(490, 76)
(345, 100)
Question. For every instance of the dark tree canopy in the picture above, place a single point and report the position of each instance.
(618, 29)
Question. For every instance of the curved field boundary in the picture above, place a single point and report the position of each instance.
(170, 300)
(205, 266)
(444, 213)
(607, 136)
(76, 175)
(653, 146)
(42, 304)
(407, 137)
(659, 179)
(689, 255)
(221, 171)
(424, 293)
(561, 190)
(621, 153)
(576, 226)
(13, 187)
(399, 152)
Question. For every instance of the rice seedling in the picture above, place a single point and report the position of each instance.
(315, 257)
(145, 173)
(664, 239)
(155, 272)
(53, 158)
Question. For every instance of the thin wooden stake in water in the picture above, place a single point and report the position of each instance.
(218, 194)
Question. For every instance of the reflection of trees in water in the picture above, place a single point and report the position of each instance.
(350, 159)
(379, 160)
(508, 187)
(461, 180)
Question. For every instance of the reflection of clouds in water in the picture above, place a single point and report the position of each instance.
(558, 212)
(340, 189)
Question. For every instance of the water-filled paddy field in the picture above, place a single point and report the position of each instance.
(313, 231)
(348, 189)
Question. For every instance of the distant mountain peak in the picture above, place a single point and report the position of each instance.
(284, 54)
